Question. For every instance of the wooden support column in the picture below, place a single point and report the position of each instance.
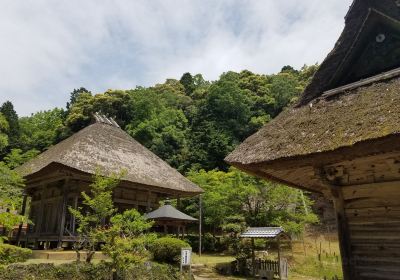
(148, 208)
(63, 214)
(39, 219)
(73, 227)
(344, 235)
(253, 257)
(178, 203)
(336, 193)
(23, 210)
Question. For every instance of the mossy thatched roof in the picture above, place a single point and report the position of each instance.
(342, 120)
(106, 146)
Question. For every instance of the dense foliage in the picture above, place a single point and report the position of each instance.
(11, 254)
(191, 123)
(85, 271)
(168, 249)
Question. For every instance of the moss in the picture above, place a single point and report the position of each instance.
(365, 113)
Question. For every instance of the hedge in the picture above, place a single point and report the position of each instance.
(168, 249)
(85, 271)
(11, 254)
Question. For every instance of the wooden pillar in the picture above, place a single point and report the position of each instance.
(279, 257)
(344, 235)
(200, 223)
(23, 214)
(73, 227)
(178, 203)
(165, 229)
(253, 257)
(39, 219)
(63, 213)
(148, 207)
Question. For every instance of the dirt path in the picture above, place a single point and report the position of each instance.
(204, 272)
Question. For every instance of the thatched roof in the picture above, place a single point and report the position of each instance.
(364, 21)
(334, 121)
(104, 145)
(168, 212)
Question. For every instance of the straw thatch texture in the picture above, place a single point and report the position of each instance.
(109, 148)
(364, 113)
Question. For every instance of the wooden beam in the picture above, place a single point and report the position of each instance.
(383, 76)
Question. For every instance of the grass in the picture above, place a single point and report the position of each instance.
(304, 260)
(212, 259)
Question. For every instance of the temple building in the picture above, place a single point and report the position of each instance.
(342, 139)
(56, 178)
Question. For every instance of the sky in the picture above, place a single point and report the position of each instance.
(48, 48)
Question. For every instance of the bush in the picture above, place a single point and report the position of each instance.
(87, 271)
(11, 254)
(168, 249)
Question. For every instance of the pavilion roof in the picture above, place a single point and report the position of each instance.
(168, 212)
(262, 232)
(106, 146)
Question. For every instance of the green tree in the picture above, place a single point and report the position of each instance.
(81, 113)
(261, 203)
(11, 189)
(41, 130)
(17, 157)
(3, 133)
(188, 82)
(92, 216)
(13, 132)
(74, 95)
(126, 240)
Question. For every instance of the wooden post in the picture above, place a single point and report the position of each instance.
(344, 235)
(148, 208)
(23, 214)
(178, 203)
(253, 257)
(279, 257)
(200, 223)
(73, 227)
(63, 214)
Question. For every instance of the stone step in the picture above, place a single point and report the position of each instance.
(63, 255)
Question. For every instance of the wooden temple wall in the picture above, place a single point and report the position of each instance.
(49, 207)
(372, 225)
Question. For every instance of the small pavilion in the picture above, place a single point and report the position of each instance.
(276, 234)
(167, 218)
(342, 139)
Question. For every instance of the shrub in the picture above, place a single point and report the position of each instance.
(168, 249)
(87, 271)
(11, 254)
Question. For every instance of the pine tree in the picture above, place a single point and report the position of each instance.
(7, 109)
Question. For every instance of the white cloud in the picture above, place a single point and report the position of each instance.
(50, 47)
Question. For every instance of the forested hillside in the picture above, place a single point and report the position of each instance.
(192, 124)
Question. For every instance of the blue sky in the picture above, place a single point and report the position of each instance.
(48, 48)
